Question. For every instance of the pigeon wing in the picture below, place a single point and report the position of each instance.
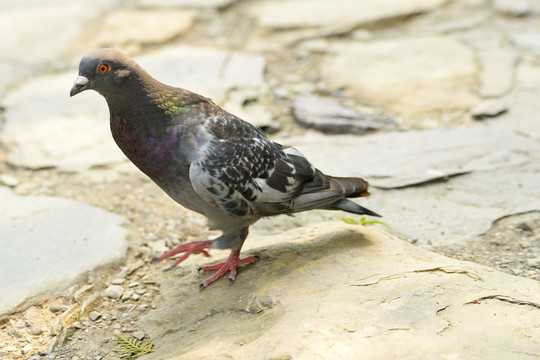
(241, 168)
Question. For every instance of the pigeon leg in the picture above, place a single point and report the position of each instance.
(231, 264)
(189, 248)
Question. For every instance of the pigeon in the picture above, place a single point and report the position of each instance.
(209, 160)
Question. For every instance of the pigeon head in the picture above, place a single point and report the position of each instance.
(103, 70)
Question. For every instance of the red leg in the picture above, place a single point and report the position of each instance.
(189, 248)
(231, 264)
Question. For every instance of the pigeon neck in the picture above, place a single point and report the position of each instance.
(133, 97)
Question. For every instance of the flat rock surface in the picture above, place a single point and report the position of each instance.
(424, 156)
(206, 71)
(332, 118)
(50, 43)
(144, 27)
(336, 291)
(456, 167)
(49, 243)
(429, 68)
(442, 180)
(318, 13)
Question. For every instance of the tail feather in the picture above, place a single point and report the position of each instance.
(352, 207)
(331, 193)
(349, 187)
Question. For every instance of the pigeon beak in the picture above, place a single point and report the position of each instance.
(79, 85)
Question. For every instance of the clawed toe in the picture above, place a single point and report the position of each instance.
(231, 265)
(188, 249)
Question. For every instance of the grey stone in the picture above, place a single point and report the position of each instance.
(8, 180)
(52, 45)
(94, 315)
(527, 40)
(414, 84)
(57, 131)
(328, 116)
(471, 177)
(64, 237)
(523, 102)
(341, 291)
(489, 109)
(185, 3)
(150, 26)
(130, 268)
(114, 292)
(497, 71)
(139, 335)
(463, 207)
(401, 159)
(205, 71)
(517, 7)
(320, 13)
(534, 262)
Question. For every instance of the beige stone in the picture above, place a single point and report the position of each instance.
(409, 76)
(144, 27)
(334, 291)
(317, 13)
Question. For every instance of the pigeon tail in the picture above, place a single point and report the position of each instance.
(331, 193)
(349, 187)
(352, 207)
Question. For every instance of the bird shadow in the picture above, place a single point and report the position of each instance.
(185, 318)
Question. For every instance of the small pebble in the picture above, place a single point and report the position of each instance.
(10, 348)
(524, 227)
(114, 292)
(534, 262)
(127, 294)
(77, 325)
(139, 335)
(118, 281)
(488, 109)
(94, 315)
(55, 308)
(8, 180)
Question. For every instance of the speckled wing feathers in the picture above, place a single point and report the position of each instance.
(241, 166)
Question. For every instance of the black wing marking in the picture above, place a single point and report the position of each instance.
(242, 167)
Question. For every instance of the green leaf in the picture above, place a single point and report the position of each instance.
(349, 221)
(363, 221)
(132, 348)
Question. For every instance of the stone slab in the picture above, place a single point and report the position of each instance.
(205, 71)
(46, 128)
(320, 13)
(334, 291)
(48, 243)
(436, 186)
(402, 159)
(414, 84)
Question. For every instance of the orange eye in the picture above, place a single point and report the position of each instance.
(103, 68)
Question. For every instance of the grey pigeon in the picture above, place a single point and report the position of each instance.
(207, 159)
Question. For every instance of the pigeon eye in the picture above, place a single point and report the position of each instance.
(103, 68)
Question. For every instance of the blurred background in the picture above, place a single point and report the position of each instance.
(435, 102)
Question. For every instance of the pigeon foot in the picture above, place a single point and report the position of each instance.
(194, 247)
(231, 264)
